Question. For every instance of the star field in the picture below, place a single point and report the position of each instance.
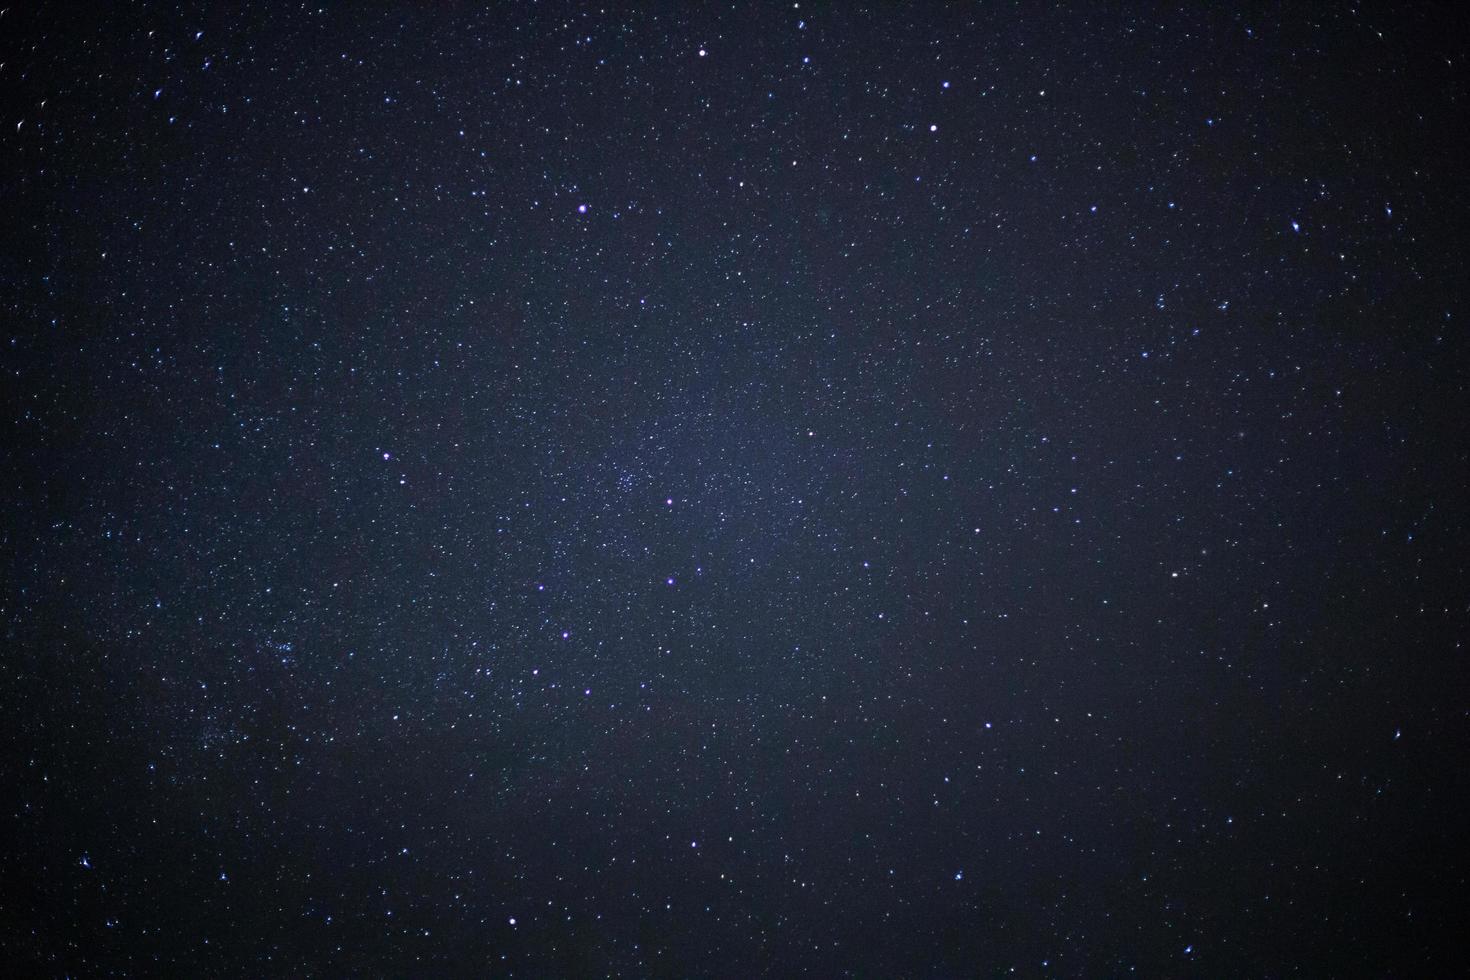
(756, 490)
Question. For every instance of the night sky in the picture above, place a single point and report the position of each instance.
(757, 490)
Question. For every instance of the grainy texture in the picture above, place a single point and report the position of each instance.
(669, 490)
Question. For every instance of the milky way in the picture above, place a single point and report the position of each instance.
(664, 490)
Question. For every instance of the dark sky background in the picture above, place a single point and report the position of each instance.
(885, 490)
